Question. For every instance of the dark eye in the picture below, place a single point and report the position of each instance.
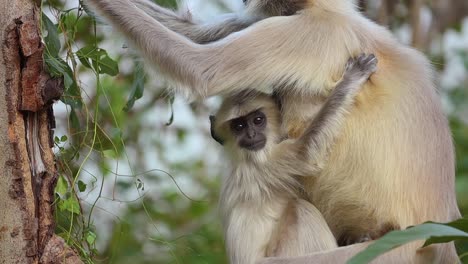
(238, 125)
(259, 120)
(245, 1)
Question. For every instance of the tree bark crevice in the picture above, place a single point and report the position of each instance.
(17, 162)
(29, 178)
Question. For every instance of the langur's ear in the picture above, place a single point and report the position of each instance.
(212, 130)
(277, 97)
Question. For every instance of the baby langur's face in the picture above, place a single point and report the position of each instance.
(247, 121)
(249, 130)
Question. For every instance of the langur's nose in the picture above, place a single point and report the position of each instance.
(251, 133)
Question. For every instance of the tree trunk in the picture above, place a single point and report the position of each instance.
(28, 175)
(418, 39)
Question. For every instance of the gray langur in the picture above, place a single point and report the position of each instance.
(393, 164)
(220, 27)
(263, 212)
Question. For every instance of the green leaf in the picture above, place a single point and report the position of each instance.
(138, 86)
(84, 56)
(58, 67)
(108, 66)
(72, 93)
(52, 41)
(64, 138)
(109, 153)
(55, 65)
(167, 3)
(61, 188)
(460, 224)
(81, 186)
(68, 20)
(395, 239)
(171, 104)
(98, 60)
(90, 237)
(70, 204)
(74, 121)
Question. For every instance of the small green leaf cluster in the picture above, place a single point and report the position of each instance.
(63, 58)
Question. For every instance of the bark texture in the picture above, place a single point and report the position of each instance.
(27, 165)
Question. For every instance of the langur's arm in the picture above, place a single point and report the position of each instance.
(258, 57)
(197, 32)
(320, 135)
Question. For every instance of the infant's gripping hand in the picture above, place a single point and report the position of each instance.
(359, 69)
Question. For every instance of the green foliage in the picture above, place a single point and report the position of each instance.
(50, 36)
(97, 60)
(167, 3)
(60, 59)
(137, 87)
(202, 245)
(444, 237)
(433, 233)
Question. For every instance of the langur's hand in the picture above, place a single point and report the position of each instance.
(360, 69)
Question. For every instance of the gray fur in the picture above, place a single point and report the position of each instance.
(201, 33)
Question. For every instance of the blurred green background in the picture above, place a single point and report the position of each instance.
(136, 184)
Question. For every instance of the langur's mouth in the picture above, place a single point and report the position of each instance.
(255, 146)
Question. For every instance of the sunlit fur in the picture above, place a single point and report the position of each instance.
(394, 163)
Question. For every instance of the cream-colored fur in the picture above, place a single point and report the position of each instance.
(261, 199)
(263, 214)
(394, 163)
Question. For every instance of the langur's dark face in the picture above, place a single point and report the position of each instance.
(249, 130)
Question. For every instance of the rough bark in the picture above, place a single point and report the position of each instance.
(27, 165)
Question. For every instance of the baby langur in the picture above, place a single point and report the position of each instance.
(263, 212)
